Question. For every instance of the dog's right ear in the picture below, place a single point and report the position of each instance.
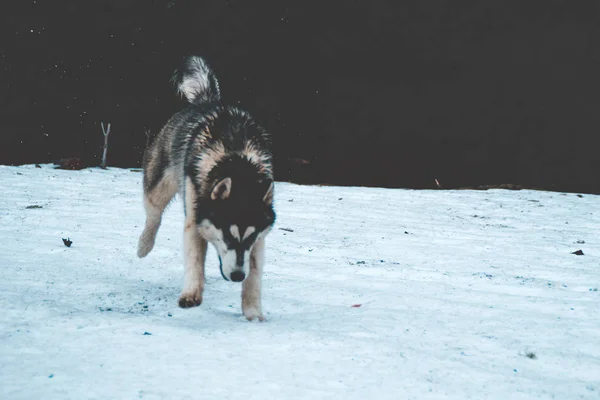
(221, 190)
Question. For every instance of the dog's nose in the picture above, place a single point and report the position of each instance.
(237, 276)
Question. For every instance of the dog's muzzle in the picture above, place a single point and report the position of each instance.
(236, 276)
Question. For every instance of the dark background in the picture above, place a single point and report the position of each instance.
(377, 93)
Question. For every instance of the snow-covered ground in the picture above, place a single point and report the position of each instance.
(463, 294)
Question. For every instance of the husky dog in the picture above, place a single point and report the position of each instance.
(218, 159)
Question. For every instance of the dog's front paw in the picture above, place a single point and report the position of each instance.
(190, 299)
(253, 313)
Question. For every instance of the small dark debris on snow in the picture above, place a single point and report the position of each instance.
(33, 206)
(169, 315)
(38, 166)
(593, 289)
(51, 376)
(578, 253)
(580, 242)
(291, 200)
(531, 355)
(147, 334)
(145, 307)
(105, 309)
(136, 170)
(406, 232)
(360, 262)
(579, 195)
(355, 305)
(18, 173)
(287, 229)
(68, 242)
(310, 249)
(340, 198)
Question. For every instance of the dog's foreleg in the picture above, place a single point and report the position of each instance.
(194, 248)
(251, 288)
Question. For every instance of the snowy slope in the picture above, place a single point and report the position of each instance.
(456, 288)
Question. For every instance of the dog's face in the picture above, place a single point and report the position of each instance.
(233, 224)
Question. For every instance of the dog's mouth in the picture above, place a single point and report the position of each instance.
(221, 269)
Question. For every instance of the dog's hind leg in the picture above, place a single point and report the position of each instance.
(194, 248)
(156, 200)
(251, 288)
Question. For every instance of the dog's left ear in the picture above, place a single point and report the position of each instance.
(221, 190)
(268, 197)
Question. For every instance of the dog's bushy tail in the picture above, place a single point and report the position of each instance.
(197, 82)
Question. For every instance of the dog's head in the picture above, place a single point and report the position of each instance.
(234, 219)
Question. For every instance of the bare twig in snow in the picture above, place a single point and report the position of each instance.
(105, 132)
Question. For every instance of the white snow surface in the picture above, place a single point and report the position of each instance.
(456, 288)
